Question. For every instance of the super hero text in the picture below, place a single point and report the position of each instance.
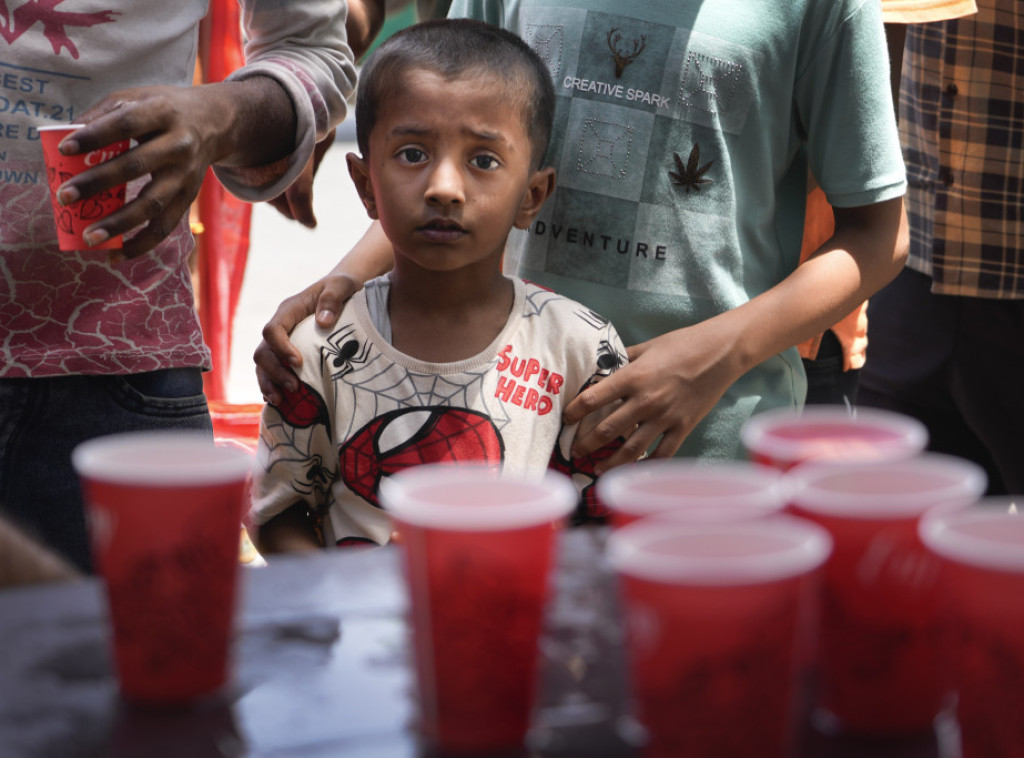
(526, 383)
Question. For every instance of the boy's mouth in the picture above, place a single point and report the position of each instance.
(442, 230)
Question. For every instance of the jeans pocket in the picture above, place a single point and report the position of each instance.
(171, 394)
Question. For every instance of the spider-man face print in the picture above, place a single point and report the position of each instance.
(582, 470)
(414, 436)
(304, 408)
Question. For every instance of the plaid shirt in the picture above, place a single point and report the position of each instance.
(962, 128)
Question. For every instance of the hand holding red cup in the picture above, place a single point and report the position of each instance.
(74, 218)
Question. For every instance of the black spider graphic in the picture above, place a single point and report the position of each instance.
(608, 358)
(344, 353)
(317, 478)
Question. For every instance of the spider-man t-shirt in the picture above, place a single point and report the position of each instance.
(364, 410)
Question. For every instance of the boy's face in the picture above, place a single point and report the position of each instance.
(450, 171)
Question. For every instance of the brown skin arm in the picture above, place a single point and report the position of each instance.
(290, 531)
(674, 380)
(276, 357)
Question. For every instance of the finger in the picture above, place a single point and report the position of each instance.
(280, 204)
(171, 162)
(621, 423)
(595, 397)
(336, 290)
(272, 376)
(98, 131)
(299, 197)
(147, 214)
(321, 147)
(127, 166)
(129, 114)
(635, 351)
(138, 111)
(633, 448)
(267, 388)
(275, 335)
(669, 444)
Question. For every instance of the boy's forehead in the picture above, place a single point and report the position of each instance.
(419, 84)
(482, 79)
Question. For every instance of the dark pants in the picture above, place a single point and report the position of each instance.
(956, 364)
(41, 422)
(827, 383)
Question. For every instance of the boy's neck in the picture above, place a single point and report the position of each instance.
(442, 317)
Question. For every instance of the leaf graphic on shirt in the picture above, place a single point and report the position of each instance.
(690, 176)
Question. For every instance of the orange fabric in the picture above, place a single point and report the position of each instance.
(223, 245)
(922, 11)
(852, 331)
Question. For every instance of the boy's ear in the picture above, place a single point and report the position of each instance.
(360, 173)
(541, 185)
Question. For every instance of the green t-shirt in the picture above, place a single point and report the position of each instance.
(683, 135)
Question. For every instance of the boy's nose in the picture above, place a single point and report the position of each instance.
(446, 185)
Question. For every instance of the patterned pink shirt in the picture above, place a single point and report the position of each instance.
(72, 313)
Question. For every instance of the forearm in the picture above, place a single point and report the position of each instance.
(370, 257)
(867, 250)
(255, 119)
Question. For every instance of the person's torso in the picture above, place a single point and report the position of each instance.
(962, 114)
(680, 143)
(66, 313)
(502, 406)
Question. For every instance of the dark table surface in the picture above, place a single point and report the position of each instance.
(322, 669)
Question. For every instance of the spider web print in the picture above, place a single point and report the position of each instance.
(370, 385)
(537, 299)
(375, 391)
(287, 445)
(609, 357)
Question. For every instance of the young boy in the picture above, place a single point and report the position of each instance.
(445, 358)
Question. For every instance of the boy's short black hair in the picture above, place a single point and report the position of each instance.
(453, 48)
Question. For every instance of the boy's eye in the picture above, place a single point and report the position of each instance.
(486, 162)
(412, 155)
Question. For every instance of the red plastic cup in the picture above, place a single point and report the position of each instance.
(73, 219)
(478, 552)
(236, 423)
(785, 437)
(716, 615)
(879, 653)
(164, 511)
(690, 489)
(982, 554)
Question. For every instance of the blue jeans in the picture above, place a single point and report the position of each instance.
(41, 422)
